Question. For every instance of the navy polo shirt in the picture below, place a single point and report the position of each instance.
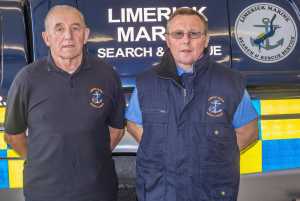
(67, 117)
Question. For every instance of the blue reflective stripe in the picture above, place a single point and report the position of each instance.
(4, 179)
(245, 112)
(280, 154)
(133, 112)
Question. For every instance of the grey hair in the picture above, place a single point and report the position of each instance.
(58, 7)
(188, 11)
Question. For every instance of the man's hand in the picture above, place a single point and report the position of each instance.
(247, 134)
(115, 136)
(135, 130)
(18, 142)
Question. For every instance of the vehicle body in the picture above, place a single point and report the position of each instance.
(258, 38)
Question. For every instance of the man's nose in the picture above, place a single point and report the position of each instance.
(68, 34)
(186, 38)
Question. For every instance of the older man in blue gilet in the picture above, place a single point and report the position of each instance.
(191, 116)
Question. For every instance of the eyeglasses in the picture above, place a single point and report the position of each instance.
(190, 34)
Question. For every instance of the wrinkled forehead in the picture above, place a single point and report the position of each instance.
(64, 16)
(185, 21)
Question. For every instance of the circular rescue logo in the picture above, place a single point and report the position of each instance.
(96, 99)
(215, 106)
(266, 32)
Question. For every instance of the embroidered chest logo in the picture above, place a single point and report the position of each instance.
(215, 106)
(96, 97)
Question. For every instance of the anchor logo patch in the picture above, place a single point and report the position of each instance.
(215, 106)
(96, 97)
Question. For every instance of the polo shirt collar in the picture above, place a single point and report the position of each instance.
(85, 65)
(181, 71)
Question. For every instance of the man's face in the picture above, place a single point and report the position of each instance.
(65, 34)
(186, 50)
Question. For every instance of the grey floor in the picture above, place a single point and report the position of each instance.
(273, 186)
(125, 194)
(126, 170)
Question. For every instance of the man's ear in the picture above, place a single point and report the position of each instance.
(167, 40)
(206, 41)
(45, 38)
(86, 35)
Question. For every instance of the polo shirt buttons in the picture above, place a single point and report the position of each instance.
(216, 132)
(74, 164)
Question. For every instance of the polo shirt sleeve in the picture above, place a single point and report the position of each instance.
(133, 112)
(116, 117)
(245, 112)
(16, 109)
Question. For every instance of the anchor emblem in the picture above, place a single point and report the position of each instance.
(263, 39)
(97, 97)
(215, 107)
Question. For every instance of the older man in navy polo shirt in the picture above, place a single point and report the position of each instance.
(72, 106)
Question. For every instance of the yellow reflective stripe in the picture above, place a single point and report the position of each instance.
(251, 159)
(3, 144)
(12, 154)
(284, 106)
(15, 171)
(2, 114)
(280, 129)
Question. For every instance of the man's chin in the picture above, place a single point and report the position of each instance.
(186, 62)
(69, 55)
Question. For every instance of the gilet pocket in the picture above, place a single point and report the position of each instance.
(154, 133)
(221, 140)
